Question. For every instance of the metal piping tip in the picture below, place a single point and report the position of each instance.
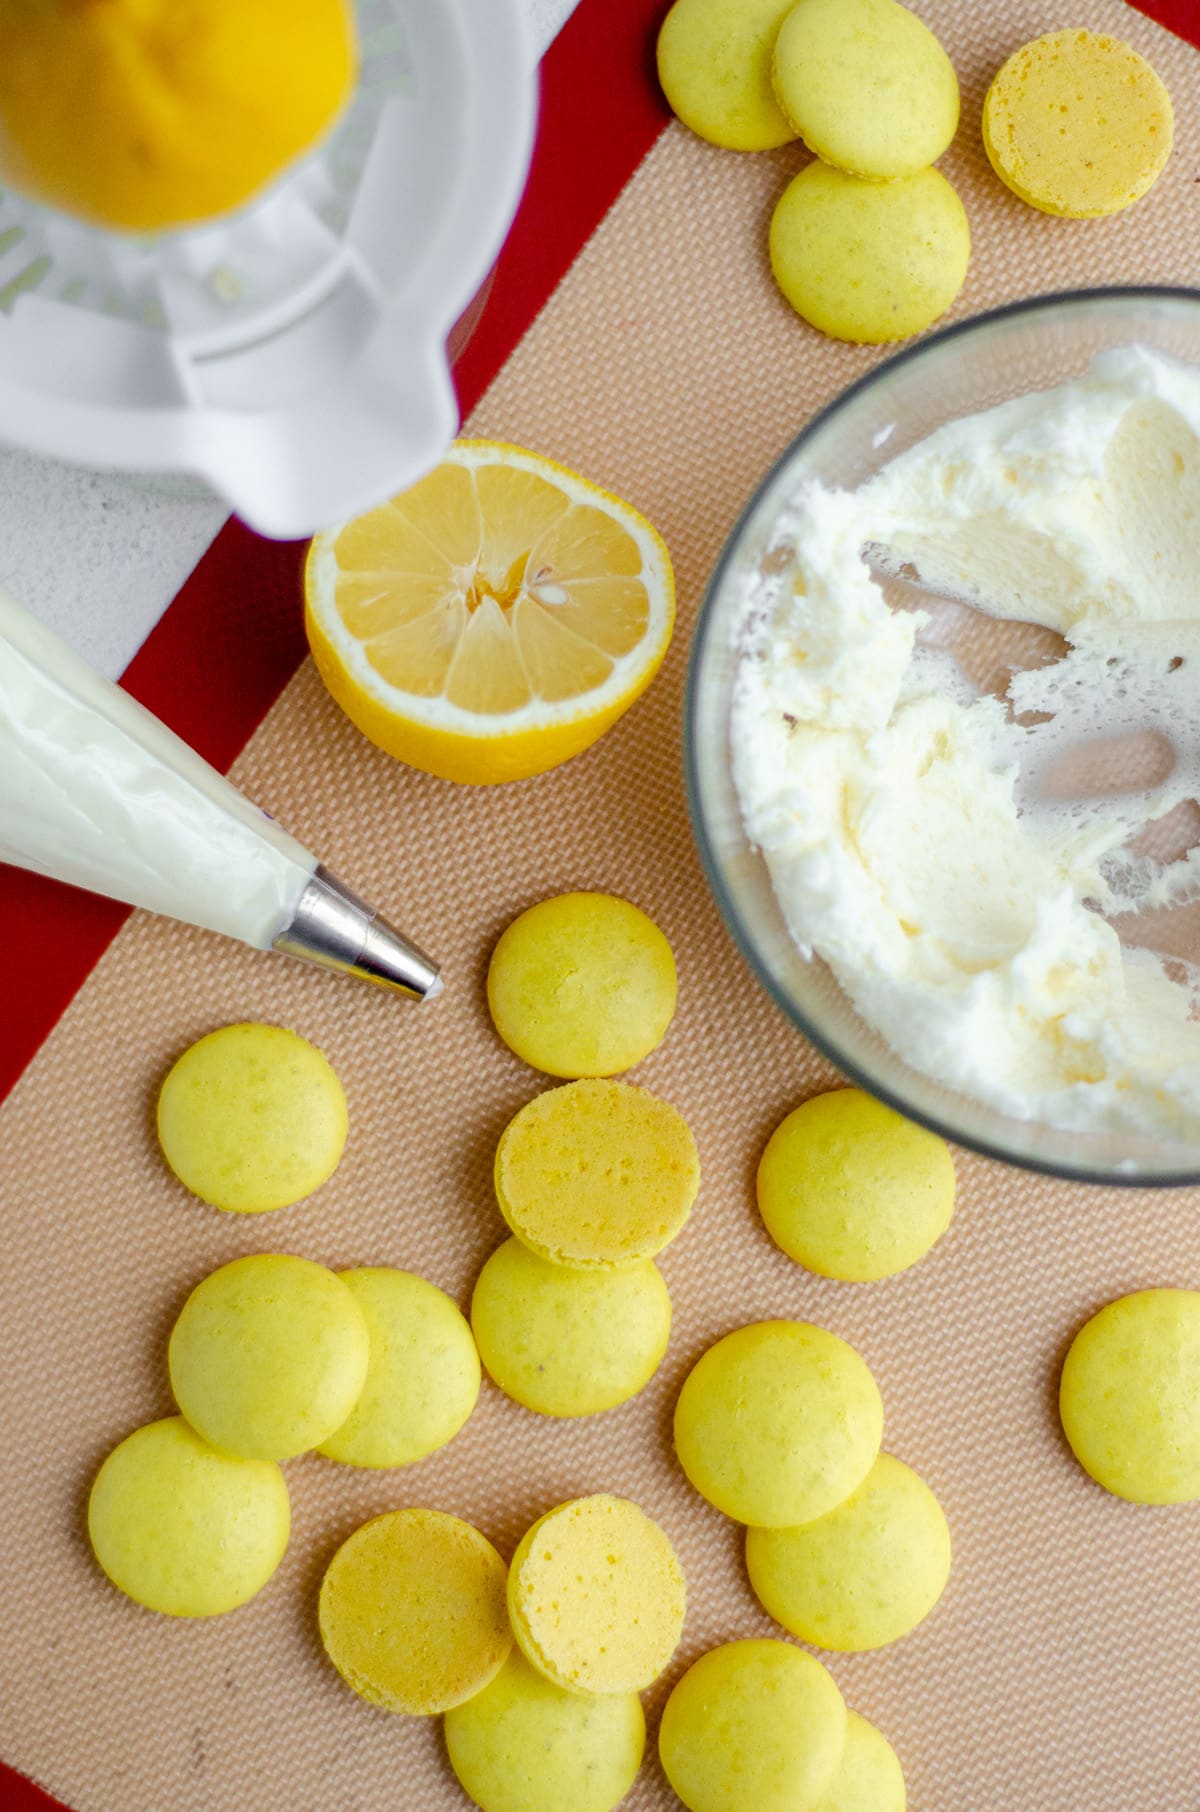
(333, 927)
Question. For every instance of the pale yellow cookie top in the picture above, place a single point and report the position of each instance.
(1130, 1396)
(525, 1745)
(869, 261)
(184, 1529)
(864, 1574)
(566, 1342)
(714, 63)
(422, 1373)
(252, 1118)
(870, 1778)
(597, 1172)
(412, 1611)
(596, 1596)
(582, 985)
(853, 1190)
(866, 85)
(753, 1727)
(778, 1422)
(1078, 123)
(268, 1356)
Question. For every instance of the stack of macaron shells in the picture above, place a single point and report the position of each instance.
(537, 1667)
(780, 1426)
(846, 1546)
(869, 242)
(253, 1118)
(273, 1356)
(595, 1177)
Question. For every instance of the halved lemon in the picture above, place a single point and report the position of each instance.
(492, 621)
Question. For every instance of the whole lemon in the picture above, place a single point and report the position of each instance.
(145, 114)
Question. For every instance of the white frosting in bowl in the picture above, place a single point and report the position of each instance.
(968, 861)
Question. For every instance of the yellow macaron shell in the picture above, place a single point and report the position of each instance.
(778, 1422)
(865, 1573)
(870, 1778)
(269, 1356)
(1076, 123)
(412, 1611)
(252, 1118)
(753, 1727)
(1130, 1397)
(869, 261)
(852, 1190)
(569, 1343)
(422, 1375)
(183, 1529)
(582, 985)
(866, 85)
(596, 1596)
(714, 63)
(596, 1173)
(525, 1745)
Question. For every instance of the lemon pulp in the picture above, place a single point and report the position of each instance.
(492, 620)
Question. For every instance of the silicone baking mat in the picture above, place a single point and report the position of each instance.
(1061, 1672)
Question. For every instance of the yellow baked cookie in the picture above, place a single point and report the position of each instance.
(870, 1778)
(866, 85)
(525, 1745)
(753, 1727)
(714, 62)
(596, 1596)
(1130, 1397)
(778, 1422)
(582, 985)
(865, 1573)
(412, 1611)
(869, 261)
(851, 1189)
(569, 1343)
(1077, 123)
(597, 1173)
(252, 1118)
(183, 1529)
(268, 1356)
(422, 1375)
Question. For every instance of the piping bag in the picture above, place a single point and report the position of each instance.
(96, 791)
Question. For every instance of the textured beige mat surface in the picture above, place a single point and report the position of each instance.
(1062, 1671)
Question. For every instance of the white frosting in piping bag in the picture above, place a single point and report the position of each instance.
(96, 791)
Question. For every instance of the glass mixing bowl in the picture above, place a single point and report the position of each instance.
(963, 369)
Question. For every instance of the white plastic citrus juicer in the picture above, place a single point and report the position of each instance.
(291, 355)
